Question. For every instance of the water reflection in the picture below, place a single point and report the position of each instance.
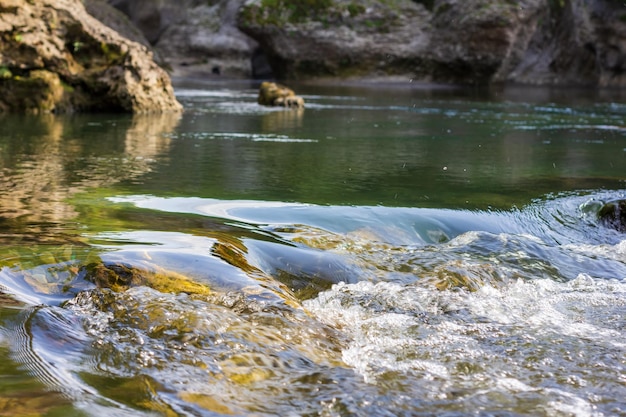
(48, 159)
(282, 119)
(149, 135)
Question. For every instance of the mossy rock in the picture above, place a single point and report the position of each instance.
(39, 91)
(120, 277)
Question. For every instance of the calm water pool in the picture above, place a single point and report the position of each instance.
(391, 250)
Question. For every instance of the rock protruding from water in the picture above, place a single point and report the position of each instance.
(55, 57)
(272, 94)
(613, 215)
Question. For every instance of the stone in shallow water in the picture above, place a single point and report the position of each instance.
(613, 215)
(272, 94)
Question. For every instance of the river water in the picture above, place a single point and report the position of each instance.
(391, 250)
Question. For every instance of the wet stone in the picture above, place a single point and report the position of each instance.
(613, 215)
(120, 277)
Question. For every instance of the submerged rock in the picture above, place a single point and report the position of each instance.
(272, 94)
(613, 215)
(119, 277)
(55, 57)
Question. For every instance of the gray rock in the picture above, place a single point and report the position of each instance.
(340, 38)
(55, 57)
(578, 43)
(195, 37)
(478, 41)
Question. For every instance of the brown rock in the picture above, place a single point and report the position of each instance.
(55, 57)
(272, 94)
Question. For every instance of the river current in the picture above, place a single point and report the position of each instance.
(390, 250)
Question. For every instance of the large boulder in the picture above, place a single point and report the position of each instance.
(324, 38)
(55, 57)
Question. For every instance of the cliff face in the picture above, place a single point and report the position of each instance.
(568, 42)
(55, 57)
(579, 42)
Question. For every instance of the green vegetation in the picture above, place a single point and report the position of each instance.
(286, 11)
(281, 12)
(556, 4)
(355, 9)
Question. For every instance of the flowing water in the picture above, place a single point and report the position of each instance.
(390, 250)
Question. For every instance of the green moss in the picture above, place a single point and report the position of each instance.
(112, 53)
(280, 12)
(66, 87)
(355, 9)
(5, 72)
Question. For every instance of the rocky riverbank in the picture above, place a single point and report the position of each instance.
(55, 56)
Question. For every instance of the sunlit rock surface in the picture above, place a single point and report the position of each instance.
(54, 57)
(272, 94)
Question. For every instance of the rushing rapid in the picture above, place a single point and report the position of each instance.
(344, 310)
